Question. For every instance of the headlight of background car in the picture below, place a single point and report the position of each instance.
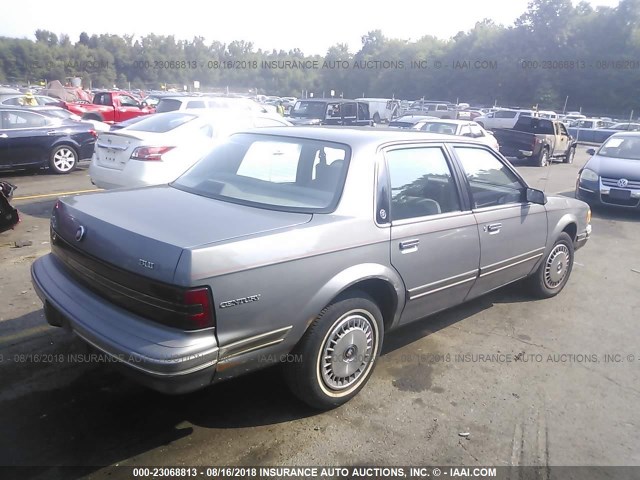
(588, 175)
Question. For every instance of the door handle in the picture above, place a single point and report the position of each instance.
(494, 227)
(4, 135)
(409, 245)
(52, 132)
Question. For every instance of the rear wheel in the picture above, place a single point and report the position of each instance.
(568, 158)
(64, 159)
(543, 158)
(337, 354)
(553, 273)
(376, 118)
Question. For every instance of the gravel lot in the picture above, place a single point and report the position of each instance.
(552, 382)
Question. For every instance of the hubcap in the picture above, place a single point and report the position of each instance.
(64, 159)
(557, 266)
(347, 351)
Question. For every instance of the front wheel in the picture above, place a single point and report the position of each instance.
(553, 273)
(64, 159)
(337, 354)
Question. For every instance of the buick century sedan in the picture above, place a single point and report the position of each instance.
(302, 247)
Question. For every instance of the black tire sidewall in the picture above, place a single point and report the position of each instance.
(53, 153)
(540, 288)
(303, 375)
(541, 159)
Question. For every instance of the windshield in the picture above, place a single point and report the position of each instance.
(621, 147)
(279, 173)
(161, 123)
(309, 109)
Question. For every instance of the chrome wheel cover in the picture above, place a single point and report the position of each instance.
(64, 159)
(348, 350)
(557, 266)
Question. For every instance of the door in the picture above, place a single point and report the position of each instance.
(513, 232)
(562, 139)
(434, 238)
(129, 108)
(27, 137)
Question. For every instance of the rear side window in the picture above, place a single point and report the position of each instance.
(421, 183)
(505, 114)
(19, 119)
(196, 104)
(162, 123)
(168, 105)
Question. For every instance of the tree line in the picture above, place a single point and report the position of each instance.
(553, 53)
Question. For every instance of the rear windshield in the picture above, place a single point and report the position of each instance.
(402, 124)
(162, 123)
(309, 109)
(534, 125)
(621, 147)
(274, 172)
(168, 105)
(440, 127)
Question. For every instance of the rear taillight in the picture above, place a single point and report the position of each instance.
(150, 153)
(93, 133)
(199, 309)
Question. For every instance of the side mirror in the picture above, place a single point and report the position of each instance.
(536, 196)
(591, 151)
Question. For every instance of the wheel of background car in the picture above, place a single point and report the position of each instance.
(543, 158)
(64, 159)
(555, 269)
(376, 118)
(569, 156)
(337, 354)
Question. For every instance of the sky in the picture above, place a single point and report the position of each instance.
(312, 27)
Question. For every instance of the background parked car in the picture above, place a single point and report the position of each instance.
(162, 146)
(413, 122)
(463, 128)
(504, 118)
(628, 126)
(612, 175)
(30, 140)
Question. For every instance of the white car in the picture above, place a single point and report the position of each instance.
(463, 128)
(161, 147)
(503, 118)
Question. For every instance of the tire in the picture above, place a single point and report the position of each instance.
(376, 118)
(555, 270)
(336, 356)
(568, 158)
(543, 158)
(63, 159)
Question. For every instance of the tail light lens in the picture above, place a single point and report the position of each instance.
(150, 153)
(199, 309)
(93, 133)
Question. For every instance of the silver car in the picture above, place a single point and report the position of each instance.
(302, 247)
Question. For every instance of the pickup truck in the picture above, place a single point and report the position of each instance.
(110, 107)
(538, 139)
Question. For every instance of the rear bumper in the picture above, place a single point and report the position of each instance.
(162, 358)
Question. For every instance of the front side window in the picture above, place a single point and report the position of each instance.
(273, 172)
(421, 183)
(492, 182)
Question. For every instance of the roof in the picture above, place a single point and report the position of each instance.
(358, 137)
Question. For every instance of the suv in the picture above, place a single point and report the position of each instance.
(187, 102)
(503, 118)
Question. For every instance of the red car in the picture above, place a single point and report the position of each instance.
(110, 107)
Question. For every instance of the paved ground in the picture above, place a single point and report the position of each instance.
(529, 380)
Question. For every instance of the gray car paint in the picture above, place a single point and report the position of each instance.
(296, 263)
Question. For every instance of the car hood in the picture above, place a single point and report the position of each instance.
(610, 167)
(128, 228)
